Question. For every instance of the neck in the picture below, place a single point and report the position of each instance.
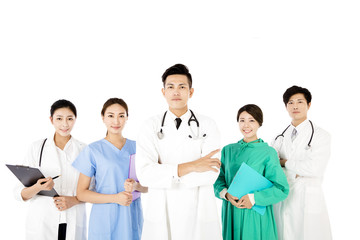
(114, 138)
(250, 139)
(179, 112)
(61, 141)
(297, 122)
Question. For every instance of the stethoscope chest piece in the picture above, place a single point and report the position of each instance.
(160, 135)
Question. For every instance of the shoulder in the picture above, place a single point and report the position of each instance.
(95, 145)
(36, 145)
(321, 132)
(205, 121)
(77, 143)
(230, 147)
(153, 122)
(131, 145)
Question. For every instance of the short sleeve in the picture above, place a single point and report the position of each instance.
(85, 162)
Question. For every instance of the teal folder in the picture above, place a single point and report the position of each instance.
(247, 180)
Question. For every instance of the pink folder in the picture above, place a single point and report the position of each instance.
(132, 174)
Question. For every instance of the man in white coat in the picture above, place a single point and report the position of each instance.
(304, 151)
(176, 160)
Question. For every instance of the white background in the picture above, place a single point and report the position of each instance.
(238, 53)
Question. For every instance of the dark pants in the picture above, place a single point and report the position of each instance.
(62, 231)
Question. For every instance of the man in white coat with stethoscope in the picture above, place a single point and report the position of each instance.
(304, 151)
(177, 159)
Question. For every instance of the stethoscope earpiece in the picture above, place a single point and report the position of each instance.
(160, 134)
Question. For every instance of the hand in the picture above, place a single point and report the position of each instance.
(244, 202)
(207, 163)
(129, 185)
(65, 202)
(44, 184)
(124, 198)
(282, 162)
(232, 199)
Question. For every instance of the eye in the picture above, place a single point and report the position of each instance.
(241, 120)
(110, 116)
(122, 116)
(70, 119)
(59, 119)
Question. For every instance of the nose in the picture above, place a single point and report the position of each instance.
(65, 123)
(176, 92)
(117, 120)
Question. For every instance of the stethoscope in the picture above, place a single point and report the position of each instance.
(192, 118)
(312, 134)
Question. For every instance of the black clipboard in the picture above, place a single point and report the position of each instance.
(28, 176)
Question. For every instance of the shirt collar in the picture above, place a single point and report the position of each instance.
(185, 116)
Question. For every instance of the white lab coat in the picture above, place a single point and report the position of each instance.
(303, 215)
(43, 217)
(177, 208)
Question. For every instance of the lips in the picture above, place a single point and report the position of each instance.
(247, 131)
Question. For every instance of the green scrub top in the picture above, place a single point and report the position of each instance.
(247, 223)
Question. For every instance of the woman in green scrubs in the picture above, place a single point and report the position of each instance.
(239, 221)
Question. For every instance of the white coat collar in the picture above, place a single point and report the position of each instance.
(51, 142)
(184, 117)
(301, 127)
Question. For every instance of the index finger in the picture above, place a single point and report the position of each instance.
(212, 153)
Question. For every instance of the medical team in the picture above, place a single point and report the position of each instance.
(176, 161)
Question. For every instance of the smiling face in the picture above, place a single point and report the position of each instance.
(297, 108)
(114, 118)
(63, 121)
(248, 126)
(177, 93)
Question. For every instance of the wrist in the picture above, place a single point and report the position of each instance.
(185, 168)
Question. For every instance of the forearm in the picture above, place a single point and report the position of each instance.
(94, 197)
(185, 168)
(140, 188)
(29, 192)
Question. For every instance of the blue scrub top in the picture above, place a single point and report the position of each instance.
(110, 167)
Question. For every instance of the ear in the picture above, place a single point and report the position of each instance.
(309, 104)
(51, 119)
(191, 92)
(163, 91)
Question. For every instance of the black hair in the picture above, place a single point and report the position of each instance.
(295, 90)
(112, 101)
(62, 103)
(253, 110)
(177, 69)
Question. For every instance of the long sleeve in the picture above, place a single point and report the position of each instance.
(30, 160)
(149, 171)
(275, 174)
(220, 183)
(314, 161)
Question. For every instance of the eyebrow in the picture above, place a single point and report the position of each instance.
(181, 84)
(296, 99)
(114, 113)
(63, 116)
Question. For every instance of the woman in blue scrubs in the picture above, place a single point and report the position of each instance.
(116, 212)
